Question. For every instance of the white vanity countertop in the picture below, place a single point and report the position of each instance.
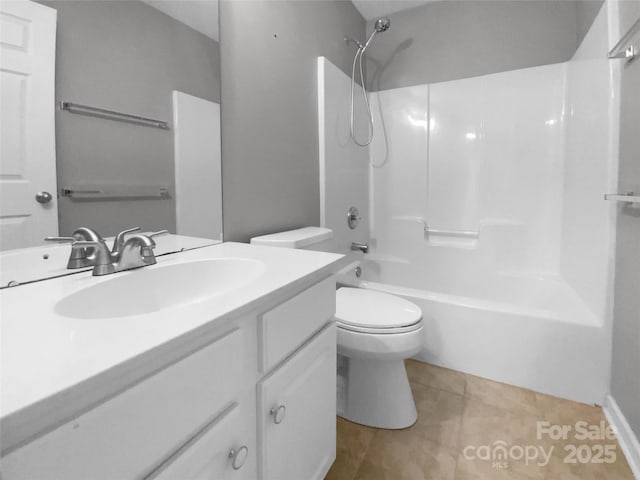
(54, 367)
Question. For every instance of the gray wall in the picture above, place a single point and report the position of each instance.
(629, 13)
(269, 111)
(625, 380)
(125, 56)
(269, 108)
(449, 40)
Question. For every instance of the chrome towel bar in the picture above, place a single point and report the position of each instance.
(112, 115)
(115, 191)
(628, 197)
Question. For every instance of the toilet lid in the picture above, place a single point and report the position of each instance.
(359, 307)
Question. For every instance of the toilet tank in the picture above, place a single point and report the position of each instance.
(307, 238)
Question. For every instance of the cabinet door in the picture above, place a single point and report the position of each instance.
(297, 413)
(224, 449)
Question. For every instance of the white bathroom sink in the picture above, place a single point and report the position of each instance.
(151, 289)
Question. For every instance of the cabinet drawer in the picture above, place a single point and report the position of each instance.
(293, 322)
(224, 449)
(129, 434)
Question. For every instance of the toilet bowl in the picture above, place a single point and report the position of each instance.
(376, 332)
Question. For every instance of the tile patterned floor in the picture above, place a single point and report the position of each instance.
(456, 411)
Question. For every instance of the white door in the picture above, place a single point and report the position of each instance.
(297, 413)
(196, 126)
(27, 124)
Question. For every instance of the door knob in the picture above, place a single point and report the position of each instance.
(43, 197)
(278, 414)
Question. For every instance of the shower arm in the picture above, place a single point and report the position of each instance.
(360, 46)
(353, 40)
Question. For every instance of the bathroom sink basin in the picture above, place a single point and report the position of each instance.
(151, 289)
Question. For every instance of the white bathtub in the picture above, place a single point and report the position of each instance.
(530, 332)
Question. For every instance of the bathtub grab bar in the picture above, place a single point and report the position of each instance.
(452, 233)
(628, 197)
(437, 231)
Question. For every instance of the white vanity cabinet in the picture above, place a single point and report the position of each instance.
(206, 416)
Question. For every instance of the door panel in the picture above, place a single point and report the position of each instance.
(303, 395)
(27, 126)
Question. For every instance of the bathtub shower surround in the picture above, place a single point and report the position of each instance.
(486, 210)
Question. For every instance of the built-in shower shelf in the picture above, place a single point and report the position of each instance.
(623, 197)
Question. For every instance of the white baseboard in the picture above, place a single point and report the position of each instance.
(627, 439)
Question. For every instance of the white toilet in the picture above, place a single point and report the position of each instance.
(376, 333)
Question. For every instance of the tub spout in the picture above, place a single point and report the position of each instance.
(362, 247)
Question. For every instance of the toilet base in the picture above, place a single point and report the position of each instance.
(378, 394)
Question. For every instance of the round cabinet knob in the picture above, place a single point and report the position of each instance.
(43, 197)
(278, 414)
(238, 457)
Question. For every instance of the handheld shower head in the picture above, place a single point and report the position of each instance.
(382, 24)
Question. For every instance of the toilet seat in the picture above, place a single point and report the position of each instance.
(378, 331)
(368, 311)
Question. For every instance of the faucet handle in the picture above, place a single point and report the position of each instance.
(147, 251)
(86, 243)
(60, 239)
(79, 258)
(86, 233)
(118, 242)
(155, 234)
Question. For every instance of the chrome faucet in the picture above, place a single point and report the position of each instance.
(80, 257)
(83, 257)
(102, 264)
(137, 251)
(360, 247)
(88, 249)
